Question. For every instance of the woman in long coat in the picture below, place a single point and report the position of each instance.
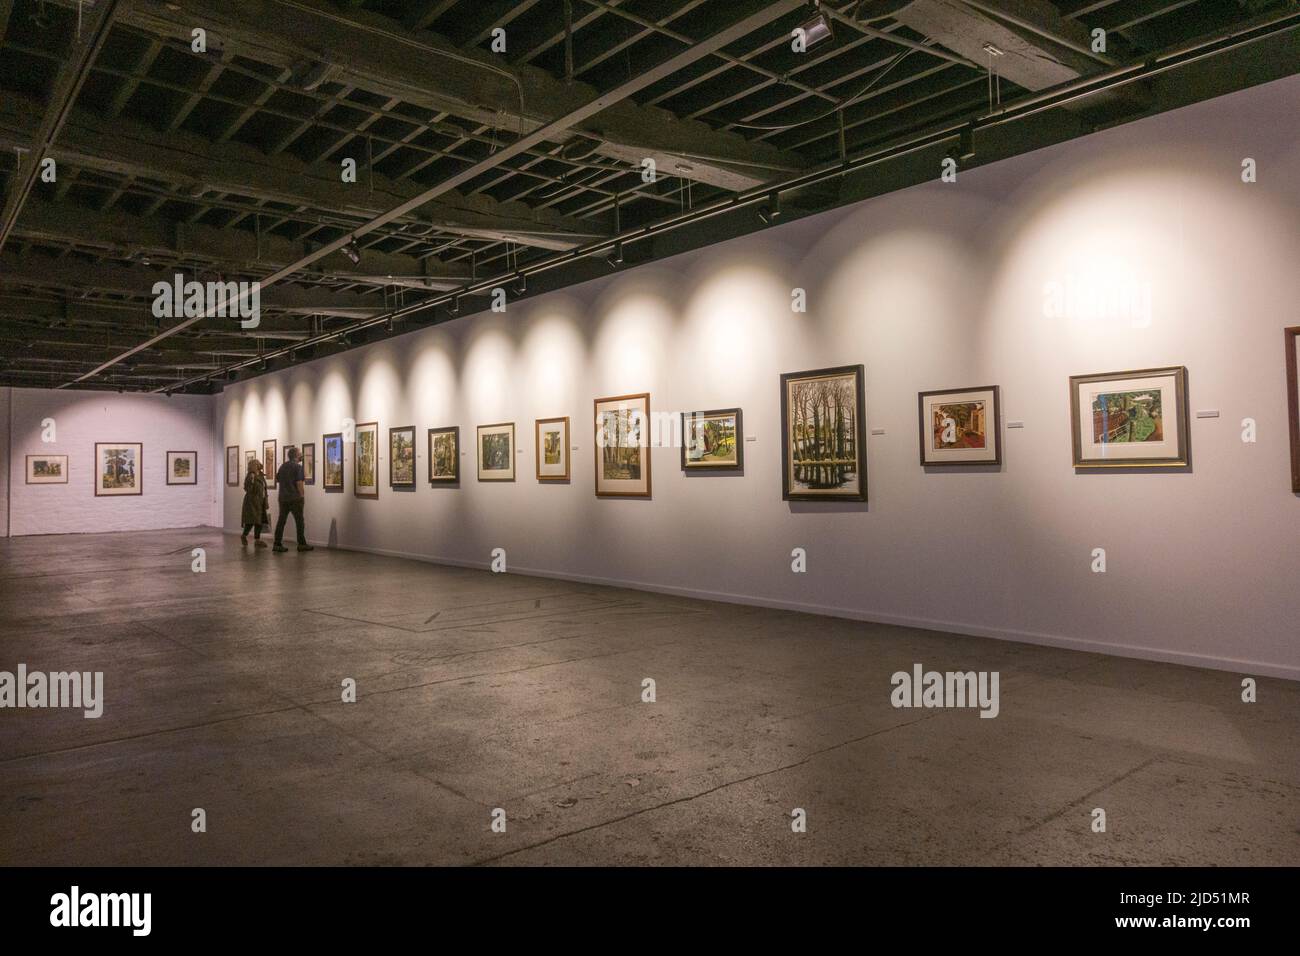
(257, 507)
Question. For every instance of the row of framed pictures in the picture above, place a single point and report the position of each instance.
(117, 469)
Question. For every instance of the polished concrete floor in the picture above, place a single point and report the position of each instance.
(478, 691)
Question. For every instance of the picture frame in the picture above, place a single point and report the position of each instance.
(269, 461)
(843, 476)
(232, 466)
(308, 450)
(551, 439)
(47, 469)
(960, 426)
(249, 455)
(401, 457)
(365, 461)
(332, 470)
(496, 452)
(119, 469)
(182, 468)
(713, 441)
(622, 446)
(1122, 410)
(444, 455)
(1292, 337)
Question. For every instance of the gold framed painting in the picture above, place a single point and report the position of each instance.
(823, 435)
(961, 426)
(119, 469)
(1135, 419)
(622, 451)
(365, 461)
(552, 441)
(496, 452)
(444, 455)
(713, 441)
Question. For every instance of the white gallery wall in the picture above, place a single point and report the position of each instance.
(1135, 247)
(82, 418)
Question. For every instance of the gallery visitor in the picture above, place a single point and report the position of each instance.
(257, 507)
(289, 479)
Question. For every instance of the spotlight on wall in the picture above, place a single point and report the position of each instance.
(770, 211)
(816, 30)
(353, 252)
(616, 257)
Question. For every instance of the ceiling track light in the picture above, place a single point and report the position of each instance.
(388, 325)
(616, 257)
(454, 308)
(521, 284)
(770, 211)
(353, 252)
(816, 29)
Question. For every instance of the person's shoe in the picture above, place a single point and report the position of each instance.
(259, 543)
(306, 547)
(279, 549)
(243, 539)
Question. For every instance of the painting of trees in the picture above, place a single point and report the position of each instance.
(823, 428)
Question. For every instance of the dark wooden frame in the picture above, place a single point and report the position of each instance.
(1184, 459)
(740, 441)
(324, 443)
(356, 492)
(233, 477)
(568, 456)
(478, 451)
(645, 449)
(168, 464)
(302, 460)
(860, 428)
(1292, 338)
(275, 457)
(925, 425)
(392, 461)
(27, 471)
(454, 431)
(139, 457)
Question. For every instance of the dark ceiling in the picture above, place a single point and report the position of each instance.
(226, 164)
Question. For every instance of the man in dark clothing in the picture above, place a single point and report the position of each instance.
(289, 480)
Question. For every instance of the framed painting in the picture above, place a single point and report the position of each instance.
(118, 468)
(365, 461)
(47, 469)
(182, 468)
(309, 462)
(823, 435)
(622, 450)
(961, 426)
(496, 452)
(401, 457)
(713, 440)
(232, 465)
(552, 437)
(444, 455)
(269, 462)
(249, 455)
(284, 453)
(333, 476)
(1293, 401)
(1134, 419)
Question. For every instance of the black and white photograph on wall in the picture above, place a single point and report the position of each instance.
(551, 438)
(234, 477)
(622, 447)
(823, 435)
(119, 469)
(182, 468)
(496, 452)
(332, 445)
(47, 469)
(365, 461)
(444, 455)
(401, 457)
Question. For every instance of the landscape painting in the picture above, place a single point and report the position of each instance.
(823, 435)
(552, 441)
(365, 461)
(118, 468)
(1132, 419)
(623, 446)
(401, 457)
(712, 441)
(269, 463)
(309, 463)
(333, 475)
(47, 469)
(961, 426)
(232, 465)
(444, 454)
(496, 452)
(182, 468)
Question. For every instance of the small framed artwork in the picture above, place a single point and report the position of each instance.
(1293, 401)
(1134, 419)
(961, 426)
(47, 469)
(622, 449)
(269, 463)
(444, 455)
(496, 452)
(284, 453)
(333, 447)
(365, 461)
(552, 435)
(232, 465)
(823, 435)
(713, 440)
(182, 468)
(401, 457)
(117, 468)
(249, 455)
(309, 463)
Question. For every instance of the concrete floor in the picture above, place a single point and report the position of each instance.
(478, 691)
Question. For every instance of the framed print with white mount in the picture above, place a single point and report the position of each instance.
(1134, 419)
(182, 468)
(496, 452)
(713, 441)
(444, 455)
(365, 461)
(622, 446)
(552, 438)
(401, 457)
(332, 478)
(47, 469)
(961, 426)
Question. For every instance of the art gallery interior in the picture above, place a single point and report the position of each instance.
(681, 385)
